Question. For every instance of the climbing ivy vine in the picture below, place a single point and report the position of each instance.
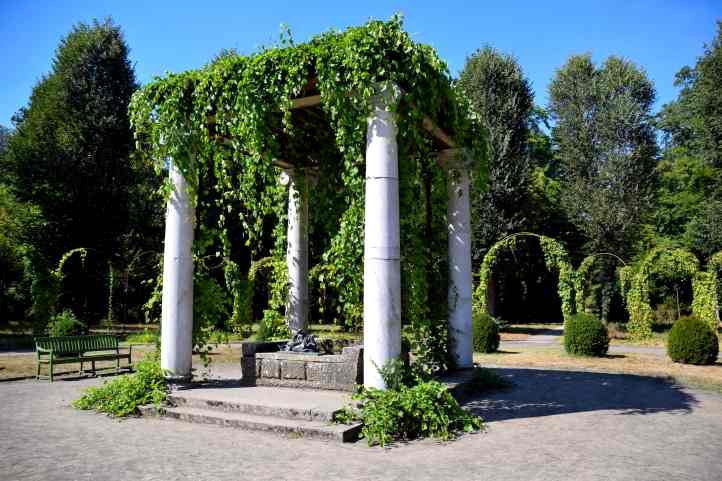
(665, 262)
(705, 303)
(712, 291)
(582, 281)
(225, 124)
(556, 260)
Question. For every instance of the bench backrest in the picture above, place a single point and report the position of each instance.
(74, 344)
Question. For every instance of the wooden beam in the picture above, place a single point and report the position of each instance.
(439, 134)
(296, 104)
(448, 157)
(305, 102)
(282, 164)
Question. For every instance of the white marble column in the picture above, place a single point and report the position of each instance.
(297, 250)
(176, 344)
(458, 218)
(382, 265)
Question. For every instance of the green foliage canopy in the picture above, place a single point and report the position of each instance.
(607, 148)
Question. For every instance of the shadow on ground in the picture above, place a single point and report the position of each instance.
(534, 330)
(539, 392)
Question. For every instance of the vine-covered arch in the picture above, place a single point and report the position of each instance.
(581, 287)
(556, 260)
(669, 262)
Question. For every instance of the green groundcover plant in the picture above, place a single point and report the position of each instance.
(123, 395)
(413, 406)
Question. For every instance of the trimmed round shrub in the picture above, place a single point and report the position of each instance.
(691, 341)
(585, 335)
(485, 332)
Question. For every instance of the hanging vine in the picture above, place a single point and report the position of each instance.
(708, 292)
(582, 281)
(556, 260)
(663, 261)
(233, 118)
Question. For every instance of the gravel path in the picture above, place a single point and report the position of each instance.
(552, 425)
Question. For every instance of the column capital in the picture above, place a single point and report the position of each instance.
(455, 159)
(386, 94)
(290, 174)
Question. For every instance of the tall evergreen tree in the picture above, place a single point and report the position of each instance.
(501, 95)
(70, 152)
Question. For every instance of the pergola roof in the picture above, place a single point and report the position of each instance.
(297, 91)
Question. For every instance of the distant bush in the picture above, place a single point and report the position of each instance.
(585, 335)
(66, 324)
(145, 337)
(485, 333)
(691, 341)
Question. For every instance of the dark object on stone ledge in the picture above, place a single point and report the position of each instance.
(302, 342)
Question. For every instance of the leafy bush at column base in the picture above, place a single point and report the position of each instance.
(585, 335)
(485, 333)
(415, 407)
(691, 341)
(123, 395)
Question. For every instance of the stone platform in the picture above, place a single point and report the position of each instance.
(286, 411)
(263, 364)
(226, 402)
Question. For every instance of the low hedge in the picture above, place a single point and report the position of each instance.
(585, 335)
(691, 341)
(485, 333)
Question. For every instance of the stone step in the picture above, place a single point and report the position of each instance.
(263, 401)
(310, 429)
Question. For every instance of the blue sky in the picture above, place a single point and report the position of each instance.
(661, 35)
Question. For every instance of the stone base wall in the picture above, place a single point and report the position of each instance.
(261, 365)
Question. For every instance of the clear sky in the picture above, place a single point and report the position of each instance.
(175, 35)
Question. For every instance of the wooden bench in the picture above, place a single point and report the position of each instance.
(80, 349)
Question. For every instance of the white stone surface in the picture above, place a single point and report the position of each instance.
(297, 251)
(458, 217)
(382, 267)
(177, 307)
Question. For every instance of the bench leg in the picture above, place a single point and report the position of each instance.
(93, 362)
(51, 369)
(81, 368)
(37, 376)
(117, 365)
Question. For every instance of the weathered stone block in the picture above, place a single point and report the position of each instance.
(314, 372)
(271, 368)
(293, 370)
